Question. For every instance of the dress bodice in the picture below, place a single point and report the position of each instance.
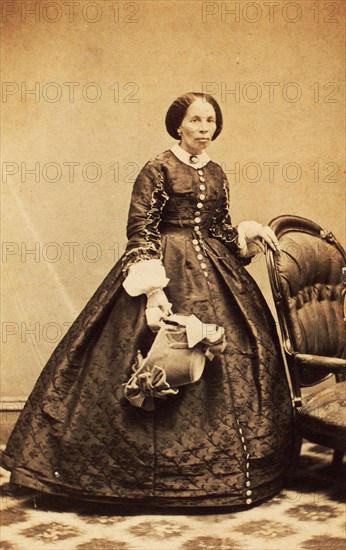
(192, 193)
(169, 194)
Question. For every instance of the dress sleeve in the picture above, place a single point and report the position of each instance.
(221, 225)
(147, 202)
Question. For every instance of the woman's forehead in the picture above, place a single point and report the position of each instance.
(200, 107)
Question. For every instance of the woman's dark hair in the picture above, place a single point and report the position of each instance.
(177, 112)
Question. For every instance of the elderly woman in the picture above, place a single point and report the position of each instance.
(224, 440)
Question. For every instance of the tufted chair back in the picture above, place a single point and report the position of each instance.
(307, 282)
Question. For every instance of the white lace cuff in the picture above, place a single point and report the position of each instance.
(144, 276)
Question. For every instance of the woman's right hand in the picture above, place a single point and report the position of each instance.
(158, 298)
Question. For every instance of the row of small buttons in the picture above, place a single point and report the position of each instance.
(197, 220)
(197, 244)
(248, 492)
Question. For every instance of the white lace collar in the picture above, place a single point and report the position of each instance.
(184, 156)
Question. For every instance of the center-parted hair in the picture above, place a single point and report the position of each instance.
(177, 112)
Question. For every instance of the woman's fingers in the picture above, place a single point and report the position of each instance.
(260, 245)
(167, 309)
(270, 238)
(258, 234)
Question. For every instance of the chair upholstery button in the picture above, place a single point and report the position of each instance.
(199, 257)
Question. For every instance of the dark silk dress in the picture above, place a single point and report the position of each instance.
(224, 440)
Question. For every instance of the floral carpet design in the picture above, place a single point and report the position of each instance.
(309, 515)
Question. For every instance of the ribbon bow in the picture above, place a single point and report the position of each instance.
(142, 387)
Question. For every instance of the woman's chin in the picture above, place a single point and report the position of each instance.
(196, 148)
(200, 147)
(204, 144)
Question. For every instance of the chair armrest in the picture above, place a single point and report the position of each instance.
(332, 364)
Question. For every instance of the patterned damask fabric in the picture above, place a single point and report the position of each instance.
(224, 440)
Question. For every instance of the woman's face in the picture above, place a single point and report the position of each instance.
(197, 127)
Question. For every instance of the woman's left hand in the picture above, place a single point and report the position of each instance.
(253, 235)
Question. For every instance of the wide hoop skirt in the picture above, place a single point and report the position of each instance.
(224, 440)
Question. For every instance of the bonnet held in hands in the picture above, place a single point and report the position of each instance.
(176, 358)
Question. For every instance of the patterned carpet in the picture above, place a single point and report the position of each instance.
(310, 515)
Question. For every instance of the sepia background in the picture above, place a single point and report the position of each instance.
(85, 89)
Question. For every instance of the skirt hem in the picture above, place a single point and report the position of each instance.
(27, 480)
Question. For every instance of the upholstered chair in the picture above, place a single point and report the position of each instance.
(308, 285)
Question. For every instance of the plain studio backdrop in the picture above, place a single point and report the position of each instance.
(85, 89)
